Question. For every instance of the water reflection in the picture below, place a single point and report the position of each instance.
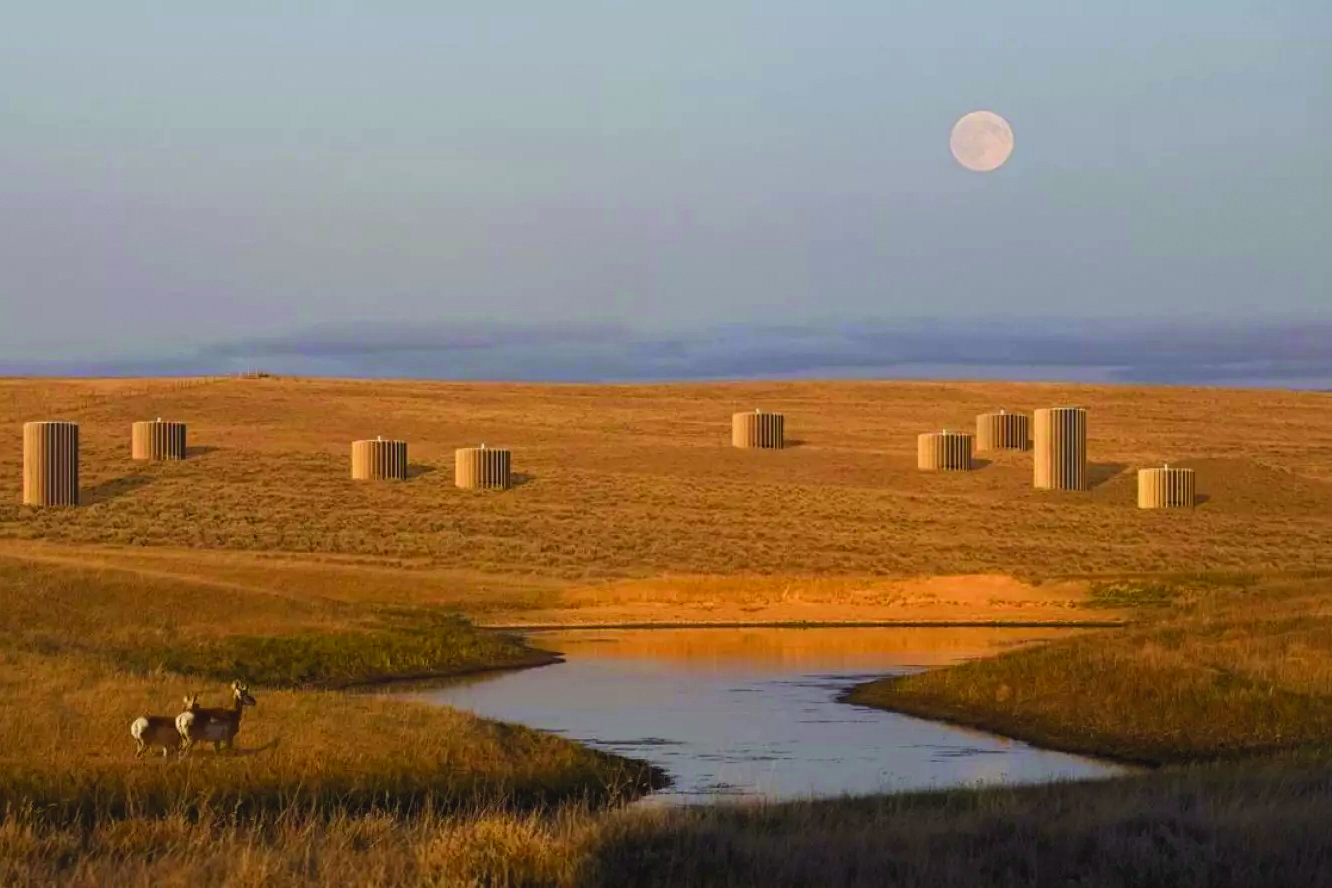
(783, 649)
(754, 712)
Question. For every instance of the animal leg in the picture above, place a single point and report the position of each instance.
(140, 747)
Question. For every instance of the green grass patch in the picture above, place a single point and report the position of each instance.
(431, 645)
(1160, 591)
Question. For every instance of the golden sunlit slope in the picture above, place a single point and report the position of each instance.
(639, 481)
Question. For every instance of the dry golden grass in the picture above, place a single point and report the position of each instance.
(1194, 828)
(66, 755)
(639, 481)
(155, 620)
(485, 848)
(525, 600)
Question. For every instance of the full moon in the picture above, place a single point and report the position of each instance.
(981, 141)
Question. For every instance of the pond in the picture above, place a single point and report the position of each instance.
(754, 713)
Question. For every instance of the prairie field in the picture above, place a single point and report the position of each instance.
(628, 496)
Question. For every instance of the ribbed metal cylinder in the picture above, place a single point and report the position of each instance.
(1166, 488)
(482, 467)
(758, 429)
(50, 464)
(157, 439)
(1060, 442)
(377, 459)
(1002, 431)
(944, 451)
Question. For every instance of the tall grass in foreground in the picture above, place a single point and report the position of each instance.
(1196, 828)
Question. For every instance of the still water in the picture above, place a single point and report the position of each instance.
(754, 712)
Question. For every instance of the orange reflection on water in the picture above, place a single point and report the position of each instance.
(870, 648)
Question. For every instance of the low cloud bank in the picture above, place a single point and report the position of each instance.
(1276, 354)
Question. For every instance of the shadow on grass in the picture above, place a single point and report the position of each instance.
(191, 452)
(518, 479)
(1099, 473)
(978, 464)
(109, 490)
(416, 470)
(246, 753)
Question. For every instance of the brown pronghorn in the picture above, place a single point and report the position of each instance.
(218, 726)
(159, 730)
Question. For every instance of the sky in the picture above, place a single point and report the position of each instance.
(188, 189)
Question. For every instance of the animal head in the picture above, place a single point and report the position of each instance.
(191, 702)
(242, 694)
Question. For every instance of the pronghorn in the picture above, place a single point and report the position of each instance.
(217, 725)
(159, 730)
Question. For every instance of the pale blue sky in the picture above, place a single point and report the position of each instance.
(172, 178)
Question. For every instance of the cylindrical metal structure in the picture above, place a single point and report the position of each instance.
(1166, 488)
(1002, 431)
(944, 451)
(759, 429)
(1060, 441)
(482, 467)
(50, 464)
(157, 439)
(378, 459)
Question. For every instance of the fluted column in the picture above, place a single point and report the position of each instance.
(1060, 460)
(378, 459)
(1002, 431)
(50, 464)
(758, 430)
(482, 467)
(1166, 488)
(157, 439)
(944, 451)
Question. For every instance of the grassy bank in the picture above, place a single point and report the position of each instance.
(84, 651)
(143, 623)
(1203, 827)
(1216, 668)
(67, 754)
(1198, 828)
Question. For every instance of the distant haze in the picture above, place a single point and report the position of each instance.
(1204, 353)
(587, 190)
